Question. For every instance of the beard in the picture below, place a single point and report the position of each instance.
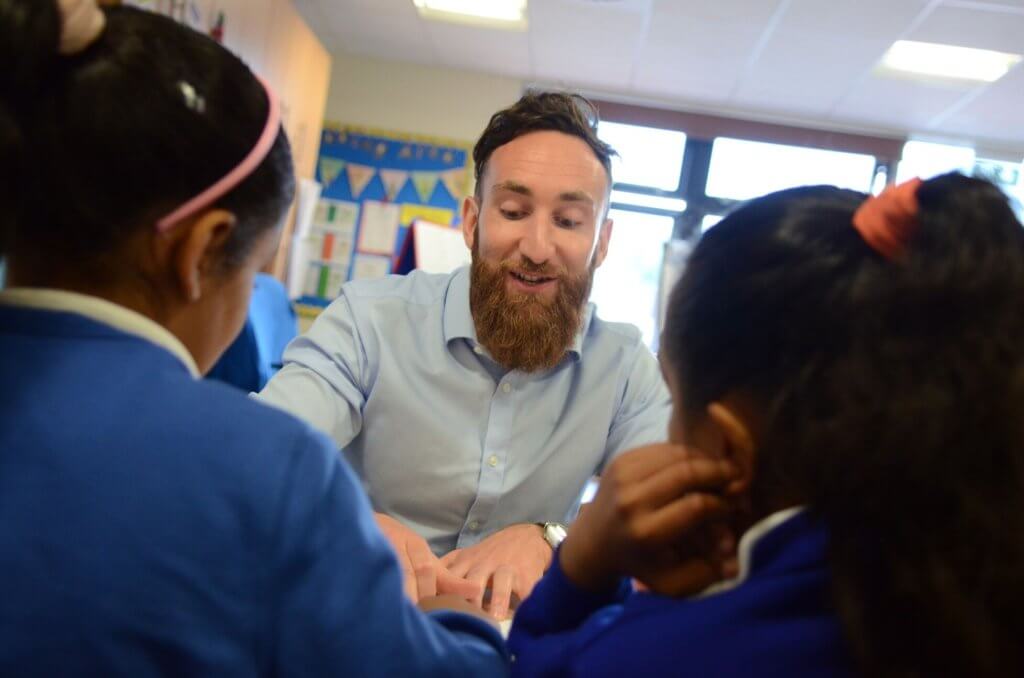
(525, 331)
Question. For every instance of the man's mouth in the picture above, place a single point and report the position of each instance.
(530, 279)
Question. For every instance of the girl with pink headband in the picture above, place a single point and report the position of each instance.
(848, 384)
(153, 523)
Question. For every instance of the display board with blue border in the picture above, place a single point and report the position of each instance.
(375, 184)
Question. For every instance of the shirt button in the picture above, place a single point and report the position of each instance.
(506, 387)
(493, 461)
(478, 350)
(473, 525)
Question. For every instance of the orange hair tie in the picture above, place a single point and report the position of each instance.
(887, 221)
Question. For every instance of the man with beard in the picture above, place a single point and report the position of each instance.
(475, 406)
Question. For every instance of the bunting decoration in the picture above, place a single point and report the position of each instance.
(425, 182)
(455, 181)
(379, 214)
(330, 168)
(358, 177)
(393, 180)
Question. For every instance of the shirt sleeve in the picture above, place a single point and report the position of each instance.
(644, 411)
(340, 608)
(323, 377)
(556, 620)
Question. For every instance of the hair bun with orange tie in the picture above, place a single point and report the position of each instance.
(888, 221)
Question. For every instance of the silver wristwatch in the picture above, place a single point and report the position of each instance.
(553, 533)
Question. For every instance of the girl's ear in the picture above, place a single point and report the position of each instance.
(199, 250)
(736, 440)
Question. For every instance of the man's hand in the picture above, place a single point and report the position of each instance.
(422, 572)
(512, 560)
(658, 517)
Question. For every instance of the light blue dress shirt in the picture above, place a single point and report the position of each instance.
(444, 439)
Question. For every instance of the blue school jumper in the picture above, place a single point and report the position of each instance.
(156, 525)
(776, 620)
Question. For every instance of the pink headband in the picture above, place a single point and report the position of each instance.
(238, 174)
(887, 220)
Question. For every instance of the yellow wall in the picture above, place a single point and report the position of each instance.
(274, 40)
(404, 97)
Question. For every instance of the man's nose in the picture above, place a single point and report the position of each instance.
(537, 244)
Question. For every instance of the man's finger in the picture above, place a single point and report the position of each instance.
(525, 582)
(501, 591)
(424, 568)
(480, 575)
(449, 584)
(426, 581)
(455, 564)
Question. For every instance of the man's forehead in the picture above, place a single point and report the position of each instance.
(548, 160)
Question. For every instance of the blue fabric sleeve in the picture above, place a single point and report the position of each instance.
(340, 608)
(556, 619)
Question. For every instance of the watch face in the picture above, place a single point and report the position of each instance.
(554, 533)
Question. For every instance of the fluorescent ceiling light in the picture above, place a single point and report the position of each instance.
(947, 61)
(655, 202)
(492, 13)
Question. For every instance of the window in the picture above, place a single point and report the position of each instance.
(1009, 176)
(648, 156)
(926, 160)
(741, 170)
(626, 285)
(708, 221)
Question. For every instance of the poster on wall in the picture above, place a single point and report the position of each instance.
(378, 229)
(375, 185)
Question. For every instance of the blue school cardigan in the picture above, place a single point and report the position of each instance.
(156, 525)
(777, 620)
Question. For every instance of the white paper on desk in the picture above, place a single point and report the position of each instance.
(378, 229)
(301, 253)
(370, 266)
(439, 249)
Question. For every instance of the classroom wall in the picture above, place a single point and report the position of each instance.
(402, 97)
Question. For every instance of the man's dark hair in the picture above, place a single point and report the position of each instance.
(542, 111)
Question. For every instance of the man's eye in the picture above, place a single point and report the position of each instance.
(512, 214)
(565, 222)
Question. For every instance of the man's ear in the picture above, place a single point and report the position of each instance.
(737, 440)
(604, 236)
(200, 250)
(470, 218)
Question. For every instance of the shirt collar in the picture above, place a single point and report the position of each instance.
(458, 319)
(748, 541)
(101, 311)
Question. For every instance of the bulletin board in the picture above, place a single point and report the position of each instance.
(375, 184)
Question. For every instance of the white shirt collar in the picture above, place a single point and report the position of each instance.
(102, 311)
(746, 548)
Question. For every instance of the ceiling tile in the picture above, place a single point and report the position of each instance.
(784, 78)
(983, 29)
(901, 104)
(994, 114)
(749, 13)
(693, 65)
(591, 44)
(491, 50)
(875, 19)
